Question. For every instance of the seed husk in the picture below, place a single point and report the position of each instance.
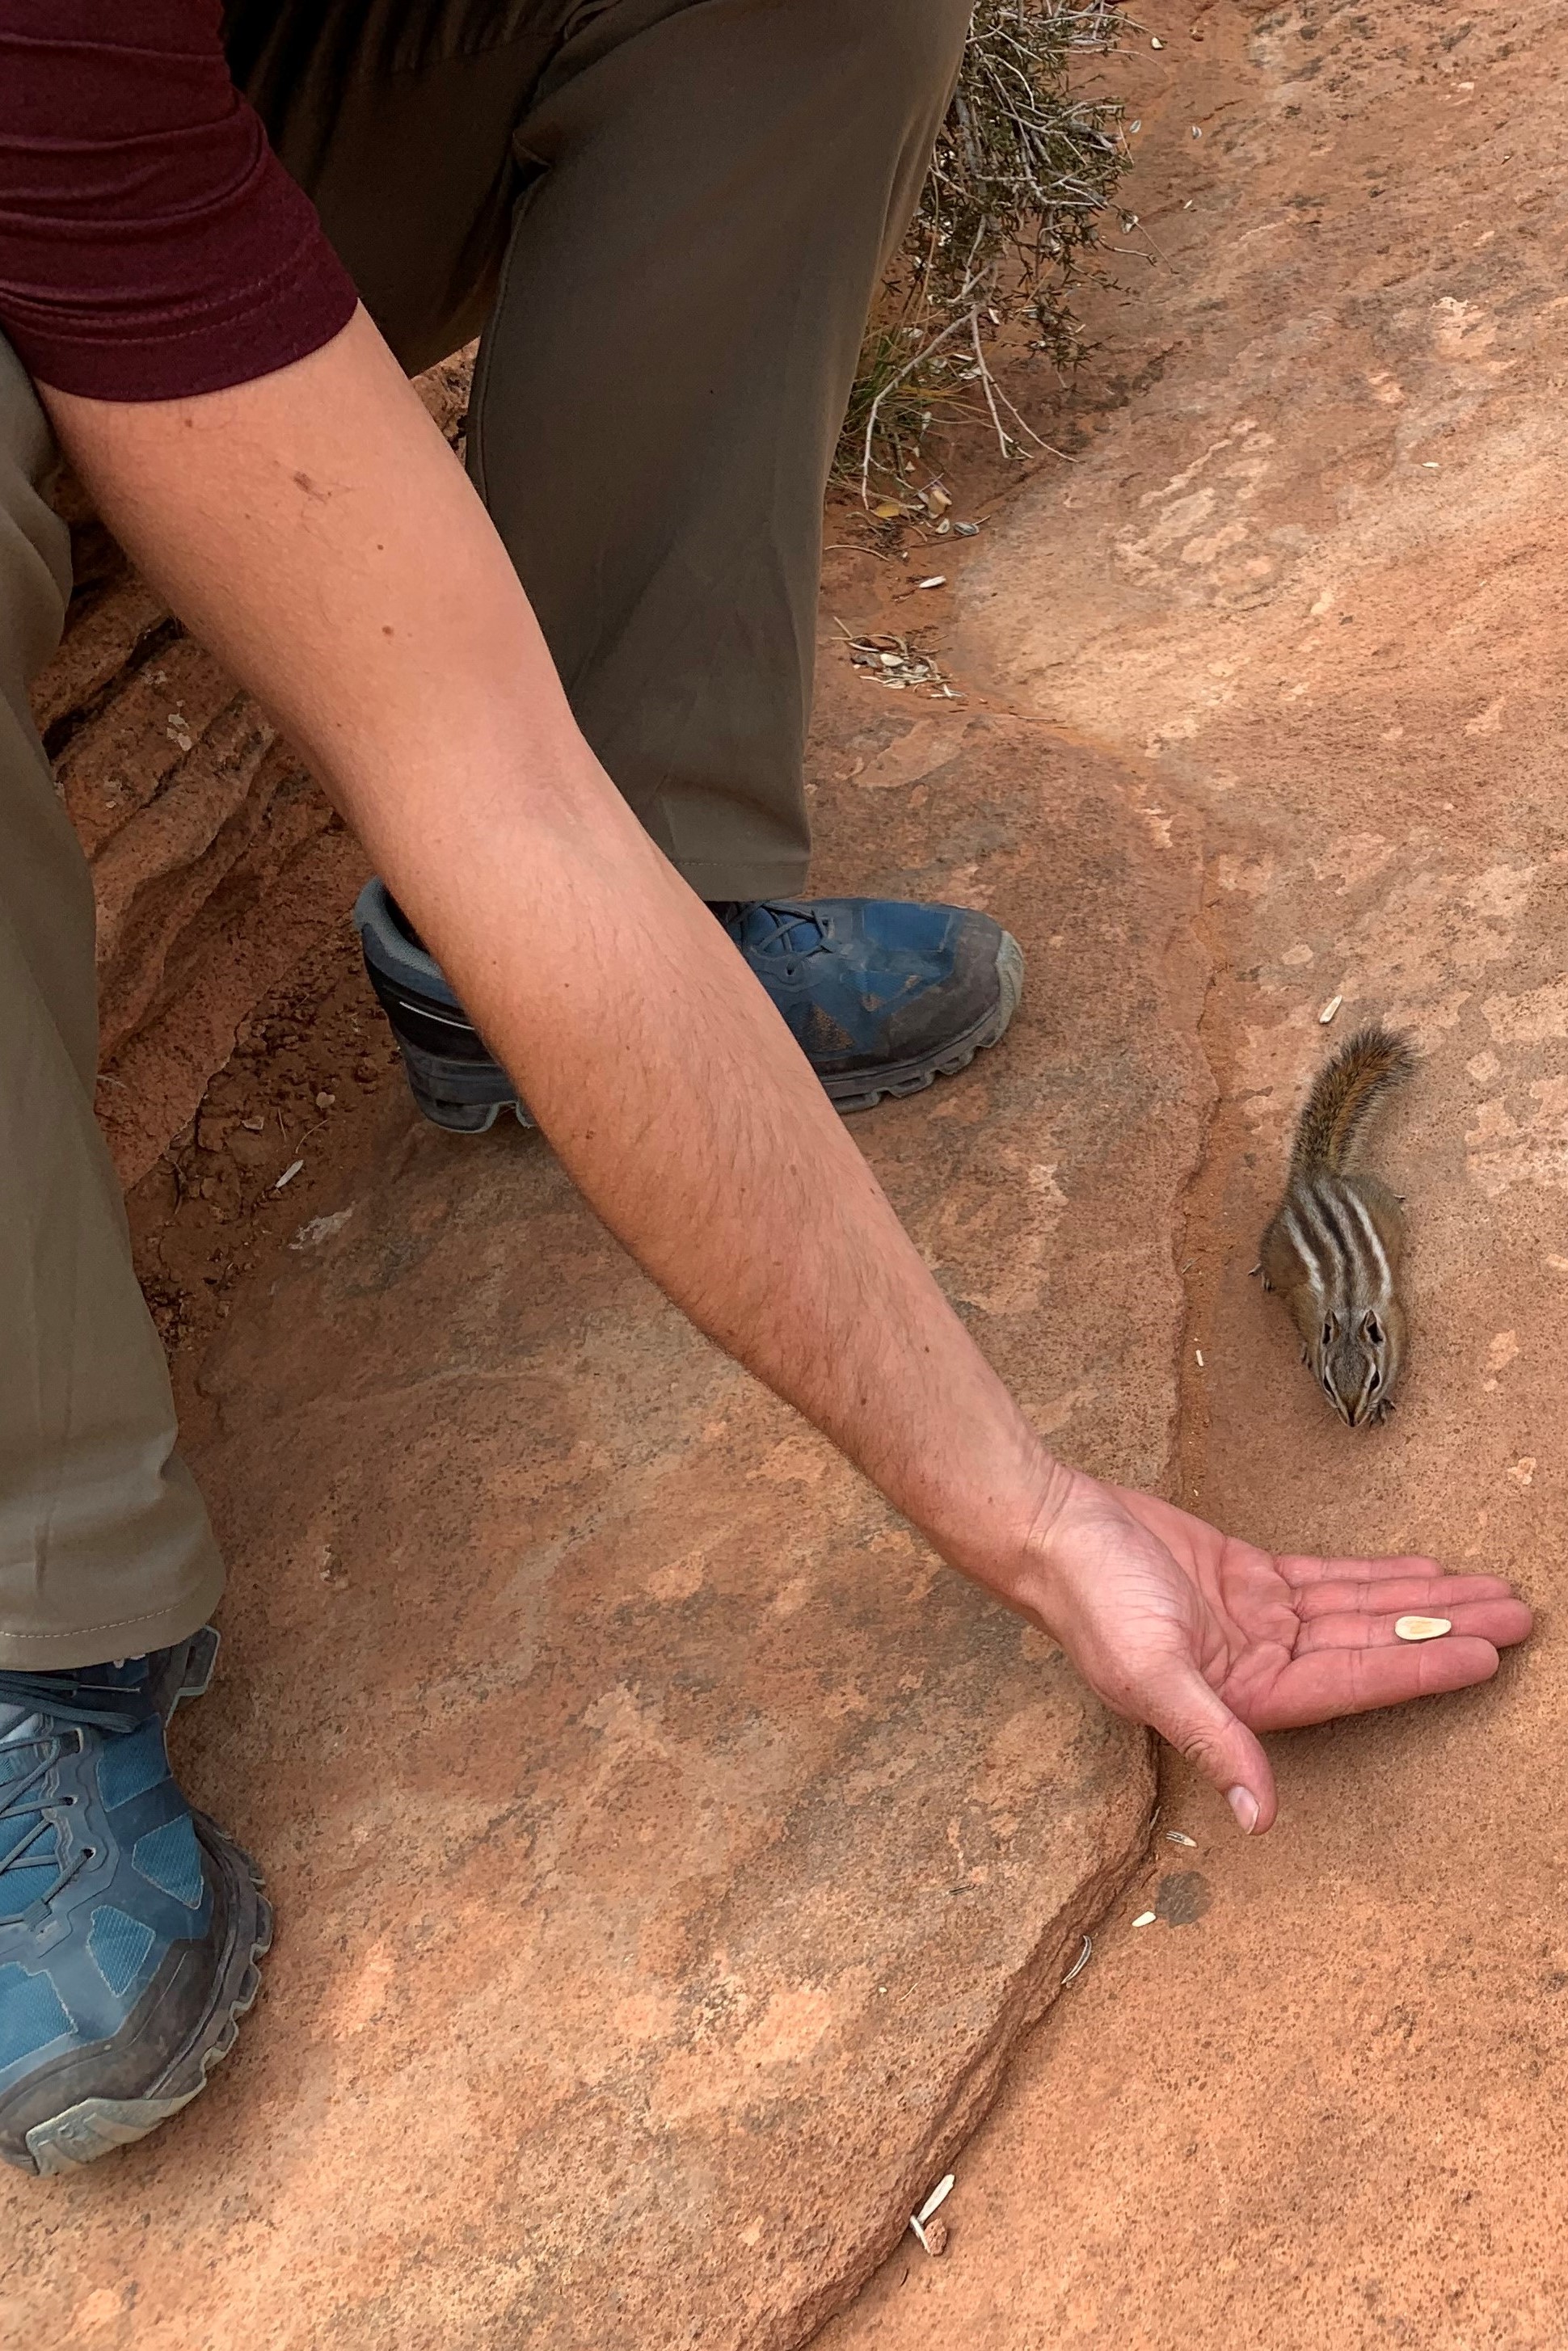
(939, 2195)
(1422, 1628)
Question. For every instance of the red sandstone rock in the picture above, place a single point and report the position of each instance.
(216, 861)
(667, 1853)
(1314, 587)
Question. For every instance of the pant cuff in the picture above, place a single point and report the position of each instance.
(772, 877)
(127, 1637)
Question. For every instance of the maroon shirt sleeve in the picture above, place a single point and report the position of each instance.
(152, 245)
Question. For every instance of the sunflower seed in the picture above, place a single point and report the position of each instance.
(1178, 1836)
(1422, 1628)
(1145, 1919)
(1330, 1009)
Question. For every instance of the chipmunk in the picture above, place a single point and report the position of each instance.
(1334, 1247)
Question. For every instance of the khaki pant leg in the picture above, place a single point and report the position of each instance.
(105, 1550)
(663, 382)
(699, 197)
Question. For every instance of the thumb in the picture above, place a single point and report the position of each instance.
(1184, 1710)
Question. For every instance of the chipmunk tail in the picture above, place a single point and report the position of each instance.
(1347, 1091)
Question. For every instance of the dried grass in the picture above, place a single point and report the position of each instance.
(1024, 166)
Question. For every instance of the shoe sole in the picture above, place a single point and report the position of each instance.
(461, 1097)
(850, 1094)
(425, 1071)
(94, 2126)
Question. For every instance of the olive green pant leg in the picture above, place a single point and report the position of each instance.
(105, 1550)
(664, 378)
(675, 215)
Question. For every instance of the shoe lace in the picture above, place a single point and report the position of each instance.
(774, 927)
(49, 1707)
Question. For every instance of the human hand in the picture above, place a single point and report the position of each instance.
(1210, 1640)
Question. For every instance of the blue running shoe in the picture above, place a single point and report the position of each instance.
(129, 1926)
(882, 995)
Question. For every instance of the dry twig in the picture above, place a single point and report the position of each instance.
(1023, 168)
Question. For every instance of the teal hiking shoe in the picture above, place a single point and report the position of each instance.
(130, 1926)
(882, 995)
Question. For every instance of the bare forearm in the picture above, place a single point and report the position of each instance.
(317, 532)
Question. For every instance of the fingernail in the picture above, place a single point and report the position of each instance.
(1244, 1804)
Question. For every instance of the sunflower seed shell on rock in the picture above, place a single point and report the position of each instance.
(1422, 1628)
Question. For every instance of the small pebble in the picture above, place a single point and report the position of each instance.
(1422, 1628)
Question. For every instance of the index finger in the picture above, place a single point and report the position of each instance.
(1397, 1595)
(1301, 1567)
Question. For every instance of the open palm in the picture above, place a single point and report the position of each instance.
(1211, 1640)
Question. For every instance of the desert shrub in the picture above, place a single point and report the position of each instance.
(1025, 165)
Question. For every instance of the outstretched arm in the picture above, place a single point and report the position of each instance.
(315, 530)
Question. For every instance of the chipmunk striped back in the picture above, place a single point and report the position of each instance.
(1334, 1247)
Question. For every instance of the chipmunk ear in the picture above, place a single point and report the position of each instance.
(1372, 1328)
